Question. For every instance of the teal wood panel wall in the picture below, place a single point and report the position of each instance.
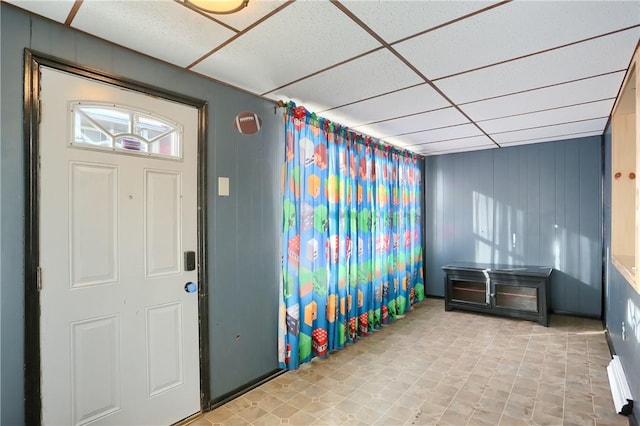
(538, 204)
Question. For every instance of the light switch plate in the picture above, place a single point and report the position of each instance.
(223, 186)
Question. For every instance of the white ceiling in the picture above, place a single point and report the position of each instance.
(431, 76)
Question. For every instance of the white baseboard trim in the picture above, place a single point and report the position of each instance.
(622, 398)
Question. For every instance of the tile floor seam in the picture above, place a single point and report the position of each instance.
(458, 391)
(497, 333)
(514, 382)
(566, 363)
(590, 368)
(459, 343)
(448, 405)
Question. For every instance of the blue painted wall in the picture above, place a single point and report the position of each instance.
(536, 204)
(244, 228)
(622, 301)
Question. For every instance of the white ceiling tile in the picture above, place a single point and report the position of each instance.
(57, 10)
(393, 20)
(479, 142)
(545, 118)
(290, 45)
(460, 143)
(417, 123)
(454, 151)
(403, 102)
(165, 30)
(587, 59)
(256, 10)
(514, 29)
(375, 73)
(448, 133)
(552, 138)
(596, 88)
(456, 144)
(399, 141)
(560, 131)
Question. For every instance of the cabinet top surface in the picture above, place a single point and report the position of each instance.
(498, 268)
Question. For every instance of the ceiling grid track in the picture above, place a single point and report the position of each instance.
(330, 67)
(533, 89)
(528, 55)
(238, 35)
(73, 12)
(437, 76)
(409, 65)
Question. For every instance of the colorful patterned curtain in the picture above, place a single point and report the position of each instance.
(352, 237)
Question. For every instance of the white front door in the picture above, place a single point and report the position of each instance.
(118, 332)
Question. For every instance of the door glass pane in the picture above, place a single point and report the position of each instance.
(469, 291)
(89, 133)
(516, 297)
(123, 129)
(112, 120)
(150, 128)
(166, 145)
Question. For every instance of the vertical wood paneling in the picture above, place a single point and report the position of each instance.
(523, 215)
(62, 42)
(548, 231)
(482, 208)
(448, 207)
(514, 210)
(245, 245)
(532, 215)
(86, 53)
(548, 195)
(439, 238)
(433, 229)
(463, 190)
(590, 229)
(502, 240)
(571, 173)
(558, 278)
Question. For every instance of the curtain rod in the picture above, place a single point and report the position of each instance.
(358, 135)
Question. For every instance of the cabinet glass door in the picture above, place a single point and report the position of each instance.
(469, 291)
(516, 297)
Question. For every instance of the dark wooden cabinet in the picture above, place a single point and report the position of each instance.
(515, 291)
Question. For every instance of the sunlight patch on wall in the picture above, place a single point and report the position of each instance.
(483, 213)
(556, 250)
(633, 319)
(498, 231)
(589, 249)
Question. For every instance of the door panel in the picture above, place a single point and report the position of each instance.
(164, 347)
(118, 333)
(95, 358)
(162, 223)
(93, 219)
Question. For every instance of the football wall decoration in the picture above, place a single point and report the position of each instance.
(247, 123)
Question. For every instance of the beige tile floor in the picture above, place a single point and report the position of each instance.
(444, 368)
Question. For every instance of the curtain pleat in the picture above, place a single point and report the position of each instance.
(351, 237)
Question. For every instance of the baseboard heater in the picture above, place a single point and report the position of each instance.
(620, 391)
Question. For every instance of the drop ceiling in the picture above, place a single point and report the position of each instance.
(433, 77)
